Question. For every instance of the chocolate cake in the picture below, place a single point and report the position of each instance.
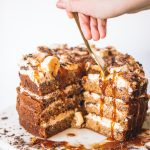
(62, 87)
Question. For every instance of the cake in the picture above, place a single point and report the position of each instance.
(62, 87)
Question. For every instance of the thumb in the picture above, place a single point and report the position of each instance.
(82, 6)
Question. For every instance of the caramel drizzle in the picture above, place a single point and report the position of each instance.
(114, 106)
(44, 143)
(103, 87)
(101, 106)
(36, 75)
(110, 143)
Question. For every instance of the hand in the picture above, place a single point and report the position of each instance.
(92, 28)
(93, 13)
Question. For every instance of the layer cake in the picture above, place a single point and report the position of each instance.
(62, 87)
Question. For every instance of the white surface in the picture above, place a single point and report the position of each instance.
(25, 24)
(82, 136)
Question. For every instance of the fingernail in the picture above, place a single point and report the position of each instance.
(60, 4)
(103, 36)
(86, 34)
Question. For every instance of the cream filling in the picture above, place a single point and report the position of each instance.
(104, 122)
(69, 88)
(58, 118)
(119, 81)
(123, 68)
(30, 74)
(93, 77)
(97, 96)
(97, 106)
(37, 96)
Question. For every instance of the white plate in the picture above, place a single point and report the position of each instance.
(82, 136)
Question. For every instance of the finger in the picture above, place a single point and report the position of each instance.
(76, 5)
(102, 27)
(70, 15)
(94, 29)
(85, 25)
(61, 4)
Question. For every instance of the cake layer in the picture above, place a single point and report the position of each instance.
(35, 114)
(68, 91)
(47, 109)
(45, 88)
(109, 128)
(58, 127)
(116, 109)
(108, 111)
(118, 88)
(61, 105)
(103, 126)
(49, 131)
(91, 97)
(52, 120)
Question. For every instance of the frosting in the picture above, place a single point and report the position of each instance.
(103, 121)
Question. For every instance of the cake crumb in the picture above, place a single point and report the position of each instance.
(4, 118)
(78, 120)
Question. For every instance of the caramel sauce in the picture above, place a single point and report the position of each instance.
(109, 143)
(103, 87)
(71, 134)
(114, 105)
(140, 140)
(101, 106)
(44, 143)
(36, 75)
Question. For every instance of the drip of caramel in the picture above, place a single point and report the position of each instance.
(114, 105)
(110, 143)
(101, 106)
(44, 143)
(36, 75)
(103, 88)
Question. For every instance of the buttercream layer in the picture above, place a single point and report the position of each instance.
(91, 97)
(108, 111)
(55, 119)
(125, 113)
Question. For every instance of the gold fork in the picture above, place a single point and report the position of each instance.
(97, 59)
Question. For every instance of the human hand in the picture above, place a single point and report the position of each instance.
(93, 13)
(92, 28)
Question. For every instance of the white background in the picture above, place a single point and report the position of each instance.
(25, 24)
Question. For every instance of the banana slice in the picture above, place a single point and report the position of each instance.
(50, 65)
